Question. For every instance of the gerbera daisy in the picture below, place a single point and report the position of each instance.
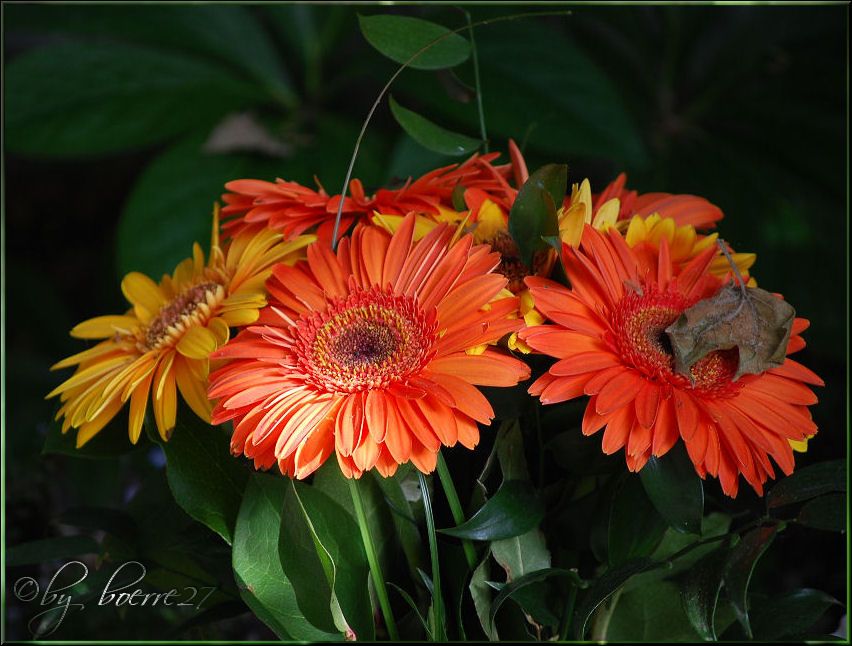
(160, 345)
(362, 352)
(608, 334)
(294, 209)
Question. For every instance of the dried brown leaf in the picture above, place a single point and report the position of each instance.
(755, 321)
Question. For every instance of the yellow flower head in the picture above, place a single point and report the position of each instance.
(160, 345)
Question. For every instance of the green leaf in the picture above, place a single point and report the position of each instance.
(430, 135)
(205, 479)
(635, 527)
(790, 614)
(602, 588)
(675, 489)
(106, 97)
(401, 37)
(511, 589)
(651, 614)
(257, 568)
(807, 483)
(342, 557)
(49, 549)
(512, 511)
(826, 512)
(740, 565)
(533, 214)
(480, 591)
(700, 592)
(228, 34)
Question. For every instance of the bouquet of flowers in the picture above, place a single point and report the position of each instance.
(492, 400)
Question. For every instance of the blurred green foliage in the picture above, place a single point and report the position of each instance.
(122, 124)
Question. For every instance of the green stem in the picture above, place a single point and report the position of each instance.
(478, 85)
(455, 508)
(437, 601)
(373, 560)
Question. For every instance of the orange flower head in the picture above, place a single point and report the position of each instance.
(372, 352)
(161, 344)
(608, 334)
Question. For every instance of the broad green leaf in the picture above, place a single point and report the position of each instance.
(430, 135)
(512, 511)
(510, 452)
(511, 589)
(111, 442)
(739, 567)
(810, 482)
(790, 614)
(651, 614)
(826, 512)
(635, 527)
(257, 569)
(602, 588)
(675, 489)
(302, 566)
(480, 591)
(343, 560)
(700, 592)
(401, 37)
(228, 34)
(679, 552)
(106, 97)
(205, 479)
(49, 549)
(522, 554)
(533, 214)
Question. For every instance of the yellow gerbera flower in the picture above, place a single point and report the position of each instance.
(160, 345)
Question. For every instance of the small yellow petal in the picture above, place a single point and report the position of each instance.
(141, 290)
(533, 317)
(800, 446)
(607, 214)
(478, 349)
(102, 327)
(238, 317)
(636, 232)
(571, 222)
(663, 228)
(490, 222)
(183, 273)
(220, 331)
(197, 259)
(165, 400)
(197, 342)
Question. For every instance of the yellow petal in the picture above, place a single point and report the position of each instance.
(238, 317)
(479, 349)
(197, 259)
(571, 222)
(800, 446)
(138, 404)
(193, 391)
(636, 232)
(141, 290)
(490, 221)
(91, 372)
(197, 342)
(683, 243)
(102, 327)
(102, 348)
(607, 214)
(663, 228)
(165, 399)
(90, 429)
(183, 273)
(582, 195)
(220, 331)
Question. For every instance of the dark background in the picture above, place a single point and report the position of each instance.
(106, 171)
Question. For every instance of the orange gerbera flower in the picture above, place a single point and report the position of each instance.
(608, 335)
(363, 352)
(294, 209)
(160, 345)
